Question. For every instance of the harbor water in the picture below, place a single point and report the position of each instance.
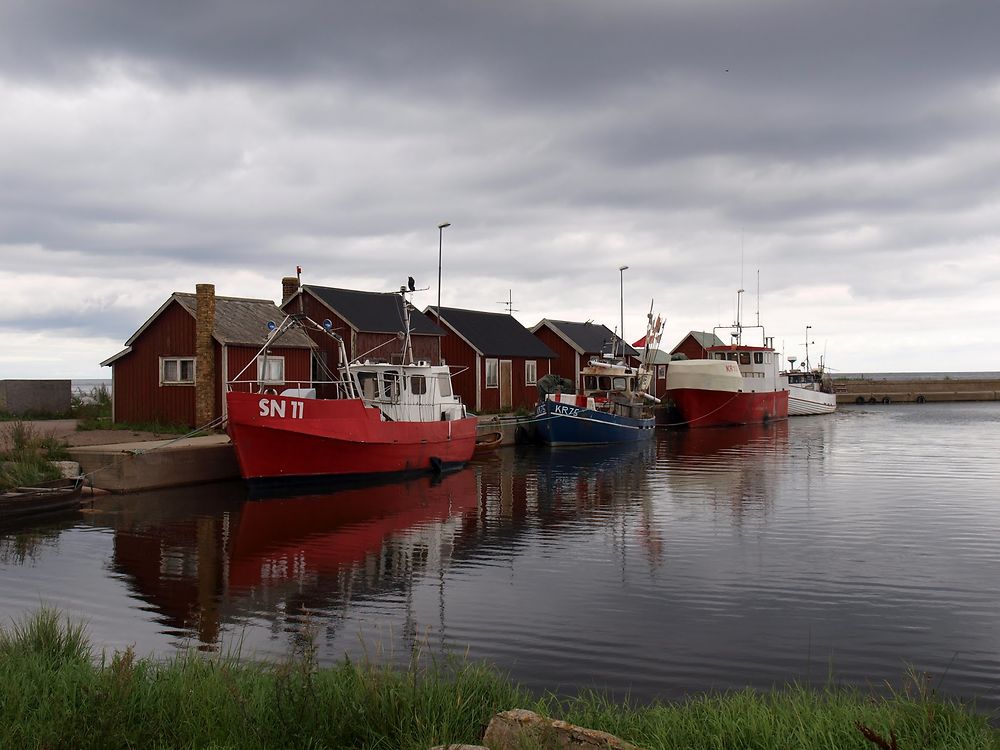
(851, 547)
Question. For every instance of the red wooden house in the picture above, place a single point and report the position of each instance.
(695, 344)
(575, 344)
(161, 376)
(371, 324)
(498, 361)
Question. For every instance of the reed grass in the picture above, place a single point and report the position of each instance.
(55, 692)
(25, 455)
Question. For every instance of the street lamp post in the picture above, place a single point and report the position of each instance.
(441, 228)
(807, 346)
(621, 297)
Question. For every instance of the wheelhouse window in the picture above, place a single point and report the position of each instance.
(271, 370)
(492, 373)
(620, 384)
(418, 385)
(758, 358)
(720, 355)
(530, 372)
(590, 382)
(369, 384)
(604, 383)
(744, 358)
(390, 385)
(176, 370)
(444, 384)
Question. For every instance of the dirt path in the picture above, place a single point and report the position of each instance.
(65, 429)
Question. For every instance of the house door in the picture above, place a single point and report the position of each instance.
(506, 385)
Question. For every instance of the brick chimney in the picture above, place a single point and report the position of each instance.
(204, 382)
(289, 286)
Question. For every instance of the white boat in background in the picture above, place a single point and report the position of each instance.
(810, 391)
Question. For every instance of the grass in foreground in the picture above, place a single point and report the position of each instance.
(54, 692)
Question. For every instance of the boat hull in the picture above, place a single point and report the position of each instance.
(711, 408)
(282, 440)
(806, 401)
(565, 424)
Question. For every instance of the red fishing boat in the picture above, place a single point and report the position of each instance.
(736, 384)
(385, 419)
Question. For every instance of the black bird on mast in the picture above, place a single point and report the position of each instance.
(412, 284)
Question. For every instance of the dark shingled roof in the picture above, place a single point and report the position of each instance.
(244, 321)
(587, 337)
(704, 338)
(372, 312)
(495, 334)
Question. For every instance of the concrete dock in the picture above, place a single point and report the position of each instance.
(154, 464)
(880, 391)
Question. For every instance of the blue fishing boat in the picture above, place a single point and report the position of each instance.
(612, 406)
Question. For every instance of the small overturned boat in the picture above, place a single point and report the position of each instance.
(59, 496)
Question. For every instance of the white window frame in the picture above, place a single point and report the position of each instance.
(492, 367)
(530, 372)
(178, 361)
(661, 371)
(271, 358)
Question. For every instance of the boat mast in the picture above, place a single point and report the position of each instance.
(621, 300)
(807, 347)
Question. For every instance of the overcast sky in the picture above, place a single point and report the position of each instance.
(845, 153)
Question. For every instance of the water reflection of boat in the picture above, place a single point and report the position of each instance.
(732, 468)
(297, 538)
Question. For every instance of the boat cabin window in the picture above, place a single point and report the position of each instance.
(733, 356)
(418, 385)
(590, 382)
(390, 385)
(369, 384)
(720, 355)
(604, 383)
(758, 358)
(444, 385)
(620, 384)
(744, 358)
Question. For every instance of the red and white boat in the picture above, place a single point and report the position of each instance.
(386, 419)
(736, 384)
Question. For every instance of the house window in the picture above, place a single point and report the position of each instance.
(661, 371)
(530, 372)
(492, 374)
(271, 369)
(176, 370)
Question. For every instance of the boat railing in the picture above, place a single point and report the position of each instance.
(342, 388)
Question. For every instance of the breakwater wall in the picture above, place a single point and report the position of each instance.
(917, 390)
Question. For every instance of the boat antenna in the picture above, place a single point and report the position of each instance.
(758, 297)
(509, 302)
